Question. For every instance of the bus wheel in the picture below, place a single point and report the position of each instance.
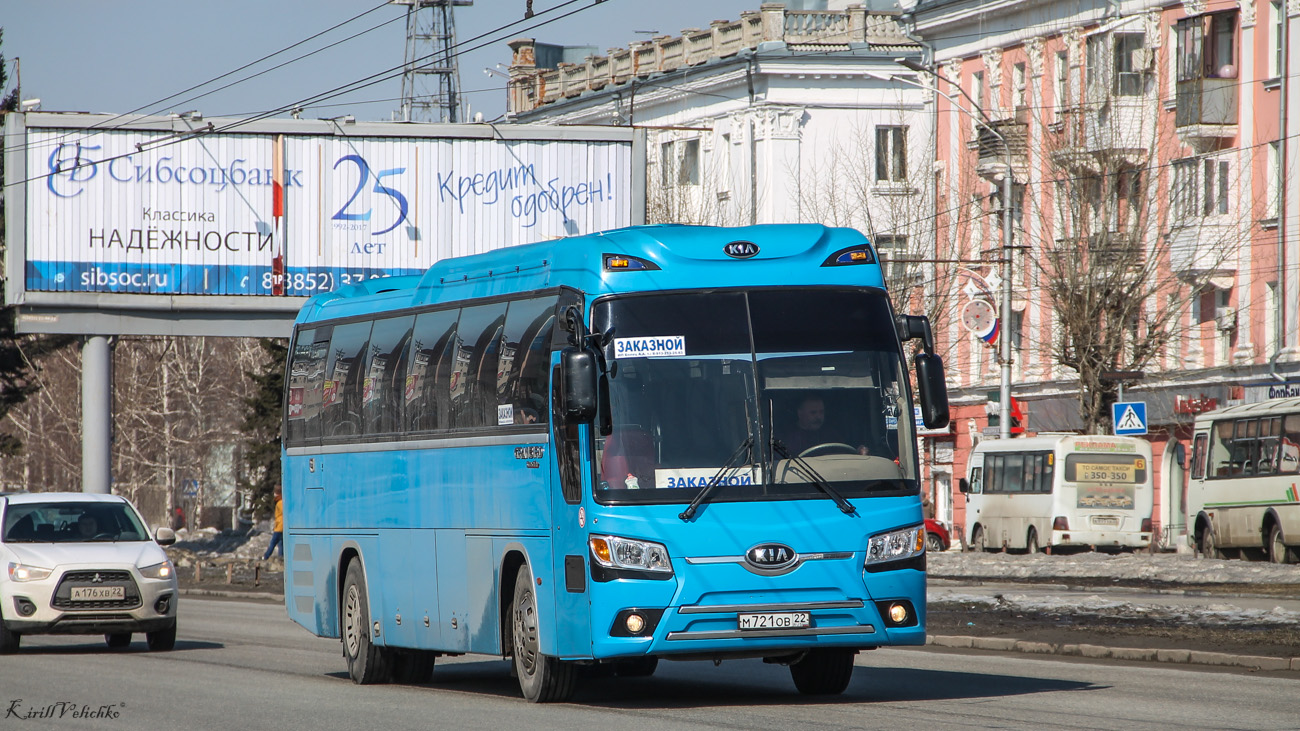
(1277, 550)
(366, 663)
(1206, 544)
(823, 671)
(543, 679)
(413, 667)
(977, 542)
(642, 667)
(1031, 542)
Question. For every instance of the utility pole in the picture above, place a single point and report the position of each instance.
(431, 77)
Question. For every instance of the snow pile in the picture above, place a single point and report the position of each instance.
(1216, 614)
(1159, 567)
(208, 543)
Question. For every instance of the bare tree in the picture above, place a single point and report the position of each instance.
(1126, 236)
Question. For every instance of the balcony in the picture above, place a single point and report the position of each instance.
(1001, 143)
(1206, 111)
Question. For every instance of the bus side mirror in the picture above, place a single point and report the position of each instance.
(1180, 455)
(933, 391)
(963, 485)
(578, 385)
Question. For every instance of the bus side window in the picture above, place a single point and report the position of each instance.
(566, 450)
(300, 368)
(475, 380)
(1289, 446)
(381, 392)
(341, 407)
(1221, 449)
(527, 353)
(1199, 450)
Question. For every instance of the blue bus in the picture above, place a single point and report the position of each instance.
(590, 454)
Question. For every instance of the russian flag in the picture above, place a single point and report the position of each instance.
(992, 334)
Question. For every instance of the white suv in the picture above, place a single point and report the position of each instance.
(83, 564)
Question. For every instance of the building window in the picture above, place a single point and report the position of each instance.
(1275, 58)
(1274, 166)
(891, 153)
(1018, 77)
(1128, 74)
(977, 92)
(1216, 187)
(1206, 47)
(1061, 86)
(1184, 189)
(893, 258)
(679, 162)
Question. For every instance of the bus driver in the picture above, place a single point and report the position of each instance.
(807, 431)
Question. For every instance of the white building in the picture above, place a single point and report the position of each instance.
(781, 116)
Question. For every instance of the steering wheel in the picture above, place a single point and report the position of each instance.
(98, 536)
(848, 449)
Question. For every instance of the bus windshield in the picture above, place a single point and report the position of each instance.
(773, 393)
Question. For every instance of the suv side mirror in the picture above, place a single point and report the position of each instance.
(164, 536)
(578, 385)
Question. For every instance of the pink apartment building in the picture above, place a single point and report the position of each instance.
(1153, 153)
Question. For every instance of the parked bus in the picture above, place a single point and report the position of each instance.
(1241, 497)
(574, 453)
(1059, 490)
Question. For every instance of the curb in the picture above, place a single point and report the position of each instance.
(273, 596)
(1190, 657)
(1082, 589)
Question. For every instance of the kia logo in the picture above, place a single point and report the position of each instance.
(771, 556)
(741, 249)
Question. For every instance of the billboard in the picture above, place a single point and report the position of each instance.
(171, 206)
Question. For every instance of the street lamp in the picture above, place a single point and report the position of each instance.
(1004, 309)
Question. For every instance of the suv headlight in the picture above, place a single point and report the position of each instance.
(625, 553)
(25, 572)
(896, 545)
(162, 570)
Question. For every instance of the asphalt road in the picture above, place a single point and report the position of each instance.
(243, 664)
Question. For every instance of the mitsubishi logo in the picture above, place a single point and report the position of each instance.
(771, 556)
(741, 249)
(97, 579)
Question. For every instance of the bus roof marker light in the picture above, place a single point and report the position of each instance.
(860, 254)
(625, 263)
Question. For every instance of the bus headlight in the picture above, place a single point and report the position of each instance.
(625, 553)
(896, 545)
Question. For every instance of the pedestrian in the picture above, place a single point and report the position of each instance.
(277, 528)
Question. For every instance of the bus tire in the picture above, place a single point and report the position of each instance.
(641, 667)
(977, 542)
(542, 678)
(1031, 542)
(1277, 549)
(823, 671)
(413, 667)
(367, 664)
(1206, 545)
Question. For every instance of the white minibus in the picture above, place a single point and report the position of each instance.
(1059, 490)
(1242, 495)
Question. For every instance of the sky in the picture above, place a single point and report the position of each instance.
(94, 56)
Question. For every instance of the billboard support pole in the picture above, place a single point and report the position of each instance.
(96, 414)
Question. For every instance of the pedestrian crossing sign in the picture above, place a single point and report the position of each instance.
(1129, 417)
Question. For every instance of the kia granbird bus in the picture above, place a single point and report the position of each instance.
(573, 454)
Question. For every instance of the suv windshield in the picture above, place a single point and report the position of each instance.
(63, 522)
(807, 384)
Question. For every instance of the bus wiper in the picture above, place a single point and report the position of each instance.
(744, 448)
(811, 475)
